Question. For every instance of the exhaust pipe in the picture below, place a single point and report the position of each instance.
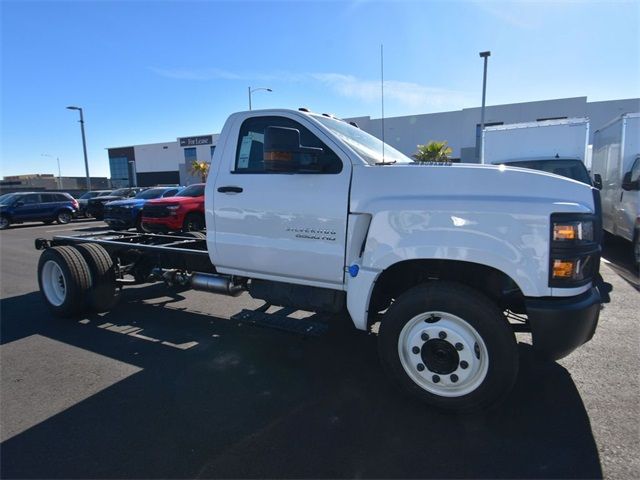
(215, 283)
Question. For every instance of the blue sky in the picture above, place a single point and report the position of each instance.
(152, 71)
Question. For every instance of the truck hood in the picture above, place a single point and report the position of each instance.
(133, 202)
(176, 199)
(470, 185)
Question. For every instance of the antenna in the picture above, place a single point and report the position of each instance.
(382, 93)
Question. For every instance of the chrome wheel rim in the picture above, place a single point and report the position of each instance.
(443, 354)
(64, 217)
(54, 284)
(4, 223)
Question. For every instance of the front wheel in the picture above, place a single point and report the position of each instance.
(4, 222)
(64, 217)
(450, 346)
(193, 222)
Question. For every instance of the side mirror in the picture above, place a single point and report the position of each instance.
(597, 181)
(627, 184)
(282, 150)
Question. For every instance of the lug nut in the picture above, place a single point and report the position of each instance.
(424, 336)
(459, 346)
(464, 364)
(442, 335)
(415, 350)
(454, 378)
(420, 367)
(435, 379)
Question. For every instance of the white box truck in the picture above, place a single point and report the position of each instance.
(616, 171)
(554, 146)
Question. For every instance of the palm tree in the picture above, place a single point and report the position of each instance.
(200, 169)
(433, 152)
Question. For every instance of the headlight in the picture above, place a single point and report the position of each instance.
(579, 231)
(574, 250)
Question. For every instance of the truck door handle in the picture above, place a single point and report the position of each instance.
(230, 189)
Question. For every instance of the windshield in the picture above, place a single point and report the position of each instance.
(104, 194)
(89, 195)
(367, 146)
(573, 169)
(192, 191)
(151, 193)
(120, 192)
(8, 198)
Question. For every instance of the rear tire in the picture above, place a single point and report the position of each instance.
(449, 346)
(102, 296)
(64, 279)
(193, 222)
(64, 217)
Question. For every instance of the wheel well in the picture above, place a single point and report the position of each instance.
(401, 276)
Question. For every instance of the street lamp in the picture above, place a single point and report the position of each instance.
(486, 56)
(250, 90)
(84, 146)
(59, 174)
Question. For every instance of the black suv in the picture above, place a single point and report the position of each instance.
(36, 207)
(95, 206)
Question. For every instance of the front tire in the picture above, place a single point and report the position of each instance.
(4, 222)
(64, 279)
(450, 346)
(193, 222)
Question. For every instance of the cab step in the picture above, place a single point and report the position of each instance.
(280, 320)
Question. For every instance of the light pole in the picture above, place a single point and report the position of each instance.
(250, 90)
(486, 56)
(84, 146)
(59, 174)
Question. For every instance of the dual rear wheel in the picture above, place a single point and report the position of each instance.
(75, 278)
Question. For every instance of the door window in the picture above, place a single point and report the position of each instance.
(31, 199)
(249, 152)
(635, 170)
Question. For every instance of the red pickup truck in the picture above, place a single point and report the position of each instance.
(184, 212)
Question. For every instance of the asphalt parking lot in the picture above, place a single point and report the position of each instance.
(166, 386)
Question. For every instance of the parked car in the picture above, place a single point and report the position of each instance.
(84, 200)
(183, 212)
(124, 214)
(95, 206)
(37, 207)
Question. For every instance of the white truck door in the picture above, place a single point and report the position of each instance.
(281, 226)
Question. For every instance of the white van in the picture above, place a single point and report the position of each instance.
(616, 171)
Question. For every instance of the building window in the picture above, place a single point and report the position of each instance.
(119, 167)
(550, 118)
(213, 149)
(190, 156)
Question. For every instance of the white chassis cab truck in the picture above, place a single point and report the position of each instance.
(556, 146)
(306, 212)
(616, 171)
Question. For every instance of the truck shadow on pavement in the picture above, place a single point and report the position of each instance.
(255, 403)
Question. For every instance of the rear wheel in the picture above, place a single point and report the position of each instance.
(102, 296)
(64, 217)
(450, 346)
(193, 222)
(4, 222)
(64, 279)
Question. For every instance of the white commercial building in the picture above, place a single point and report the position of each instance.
(168, 163)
